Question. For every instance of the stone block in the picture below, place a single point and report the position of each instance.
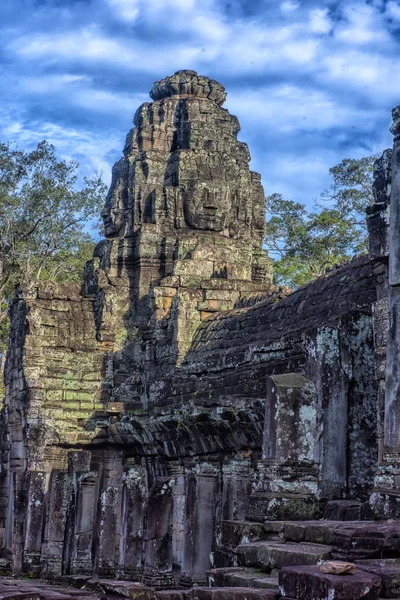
(308, 582)
(232, 533)
(173, 595)
(389, 575)
(233, 594)
(270, 555)
(290, 418)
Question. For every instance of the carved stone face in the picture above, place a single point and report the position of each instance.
(113, 213)
(113, 219)
(207, 207)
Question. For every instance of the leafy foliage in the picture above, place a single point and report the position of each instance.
(304, 245)
(42, 220)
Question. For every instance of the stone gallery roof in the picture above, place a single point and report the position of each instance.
(231, 336)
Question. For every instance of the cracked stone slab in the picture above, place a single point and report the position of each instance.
(308, 582)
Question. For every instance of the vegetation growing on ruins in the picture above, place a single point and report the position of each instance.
(43, 220)
(305, 245)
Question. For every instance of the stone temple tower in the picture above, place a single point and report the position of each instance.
(184, 221)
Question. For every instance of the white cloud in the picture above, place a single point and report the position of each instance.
(343, 80)
(393, 10)
(70, 142)
(88, 43)
(289, 108)
(289, 6)
(362, 25)
(319, 21)
(128, 10)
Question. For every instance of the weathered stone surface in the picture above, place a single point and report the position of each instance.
(309, 582)
(269, 555)
(390, 577)
(241, 577)
(233, 594)
(364, 540)
(127, 589)
(343, 510)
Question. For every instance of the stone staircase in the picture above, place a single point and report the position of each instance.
(284, 557)
(275, 560)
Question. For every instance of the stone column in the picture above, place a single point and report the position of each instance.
(201, 493)
(178, 508)
(35, 511)
(109, 518)
(134, 504)
(385, 497)
(158, 549)
(236, 488)
(59, 495)
(288, 472)
(392, 395)
(79, 549)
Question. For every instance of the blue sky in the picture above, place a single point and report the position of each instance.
(312, 82)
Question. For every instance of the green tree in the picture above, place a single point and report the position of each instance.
(304, 245)
(351, 188)
(43, 215)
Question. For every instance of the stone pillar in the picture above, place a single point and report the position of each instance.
(59, 496)
(287, 487)
(178, 519)
(109, 519)
(134, 504)
(392, 396)
(158, 549)
(392, 399)
(385, 497)
(17, 517)
(236, 488)
(82, 515)
(201, 493)
(35, 511)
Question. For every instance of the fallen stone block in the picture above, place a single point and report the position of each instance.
(173, 595)
(267, 555)
(232, 533)
(343, 510)
(234, 594)
(128, 589)
(305, 582)
(17, 595)
(390, 578)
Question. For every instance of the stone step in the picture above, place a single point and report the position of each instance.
(389, 575)
(13, 593)
(366, 540)
(127, 589)
(270, 555)
(241, 577)
(306, 583)
(315, 532)
(5, 567)
(173, 595)
(233, 593)
(347, 510)
(232, 533)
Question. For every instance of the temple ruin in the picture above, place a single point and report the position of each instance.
(177, 426)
